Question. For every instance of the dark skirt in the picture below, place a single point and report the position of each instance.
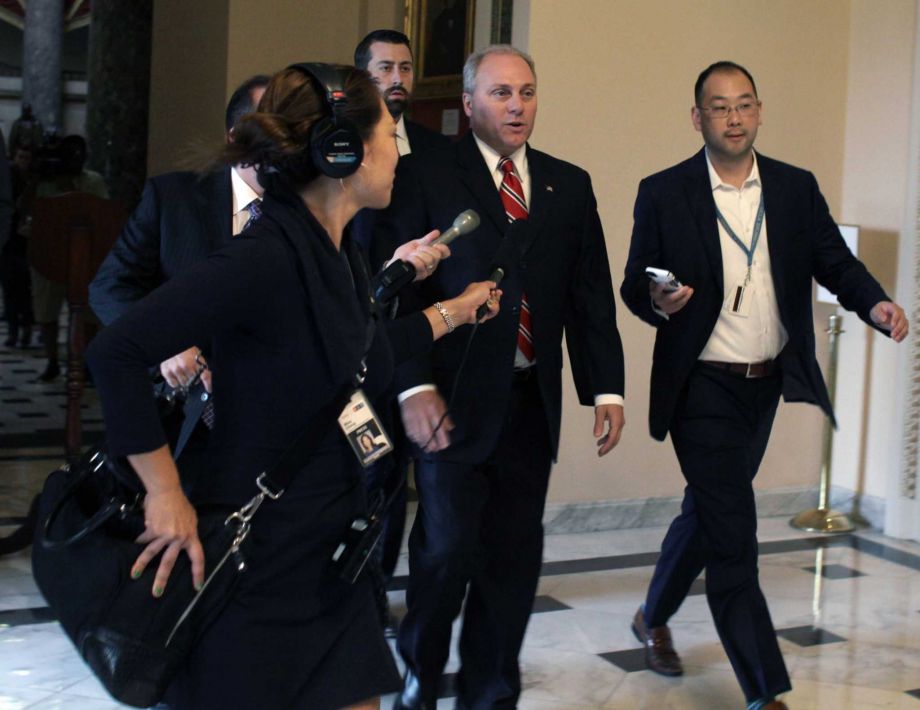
(295, 635)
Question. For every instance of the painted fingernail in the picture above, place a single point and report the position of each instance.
(198, 586)
(136, 573)
(158, 591)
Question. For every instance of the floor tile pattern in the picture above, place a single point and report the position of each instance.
(846, 607)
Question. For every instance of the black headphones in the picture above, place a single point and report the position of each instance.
(336, 148)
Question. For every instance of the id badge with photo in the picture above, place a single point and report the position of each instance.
(739, 299)
(361, 426)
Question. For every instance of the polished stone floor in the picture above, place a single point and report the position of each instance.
(846, 608)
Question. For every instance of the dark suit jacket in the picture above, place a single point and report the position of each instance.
(421, 140)
(675, 228)
(182, 217)
(558, 256)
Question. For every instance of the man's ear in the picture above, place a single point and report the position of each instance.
(696, 118)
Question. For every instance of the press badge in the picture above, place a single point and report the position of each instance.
(361, 426)
(739, 299)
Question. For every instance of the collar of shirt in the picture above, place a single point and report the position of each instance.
(752, 179)
(402, 137)
(518, 157)
(242, 193)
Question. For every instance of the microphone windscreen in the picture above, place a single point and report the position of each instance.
(466, 221)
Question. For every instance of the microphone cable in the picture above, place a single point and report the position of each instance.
(453, 392)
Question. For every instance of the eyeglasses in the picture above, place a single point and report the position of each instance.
(748, 108)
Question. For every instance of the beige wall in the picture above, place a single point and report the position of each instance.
(615, 98)
(876, 155)
(204, 49)
(187, 81)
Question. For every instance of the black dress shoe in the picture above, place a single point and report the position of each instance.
(413, 697)
(660, 655)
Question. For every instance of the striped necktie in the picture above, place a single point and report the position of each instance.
(512, 194)
(255, 211)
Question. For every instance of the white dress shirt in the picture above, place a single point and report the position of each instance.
(760, 334)
(402, 137)
(242, 196)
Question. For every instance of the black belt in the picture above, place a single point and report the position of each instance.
(745, 369)
(523, 374)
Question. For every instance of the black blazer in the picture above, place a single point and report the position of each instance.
(558, 256)
(421, 140)
(675, 228)
(182, 217)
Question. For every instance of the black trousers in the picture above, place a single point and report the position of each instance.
(479, 533)
(720, 432)
(17, 291)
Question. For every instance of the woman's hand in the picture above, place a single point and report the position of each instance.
(422, 254)
(171, 521)
(464, 307)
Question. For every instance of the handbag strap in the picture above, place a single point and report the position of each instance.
(89, 464)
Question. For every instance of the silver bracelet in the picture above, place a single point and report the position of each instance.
(439, 307)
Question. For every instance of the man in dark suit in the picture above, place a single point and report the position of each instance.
(745, 235)
(484, 463)
(182, 217)
(387, 57)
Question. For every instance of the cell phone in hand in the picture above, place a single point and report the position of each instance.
(663, 276)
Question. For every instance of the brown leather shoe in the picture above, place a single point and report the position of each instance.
(660, 655)
(776, 705)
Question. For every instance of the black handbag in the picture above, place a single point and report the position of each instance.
(89, 515)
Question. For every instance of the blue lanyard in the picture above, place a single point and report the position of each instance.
(758, 223)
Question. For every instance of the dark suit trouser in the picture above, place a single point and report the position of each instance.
(479, 532)
(720, 431)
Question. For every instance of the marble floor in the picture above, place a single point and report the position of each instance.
(846, 608)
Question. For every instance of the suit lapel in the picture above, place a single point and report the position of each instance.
(542, 194)
(779, 222)
(475, 175)
(217, 207)
(699, 195)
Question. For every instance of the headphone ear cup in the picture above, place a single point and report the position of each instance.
(336, 150)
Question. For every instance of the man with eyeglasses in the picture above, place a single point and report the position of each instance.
(744, 234)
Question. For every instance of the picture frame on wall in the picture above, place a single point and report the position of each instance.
(441, 32)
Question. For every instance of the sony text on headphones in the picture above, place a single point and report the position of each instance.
(336, 147)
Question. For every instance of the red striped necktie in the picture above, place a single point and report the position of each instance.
(512, 194)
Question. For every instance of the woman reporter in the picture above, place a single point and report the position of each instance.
(286, 308)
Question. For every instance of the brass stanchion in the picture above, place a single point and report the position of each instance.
(822, 519)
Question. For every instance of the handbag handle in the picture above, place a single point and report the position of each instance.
(99, 518)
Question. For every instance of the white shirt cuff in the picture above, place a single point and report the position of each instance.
(403, 396)
(601, 399)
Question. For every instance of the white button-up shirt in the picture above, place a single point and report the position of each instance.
(760, 334)
(242, 196)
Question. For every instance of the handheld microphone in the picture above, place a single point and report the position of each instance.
(497, 277)
(401, 273)
(465, 223)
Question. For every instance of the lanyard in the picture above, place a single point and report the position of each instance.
(758, 223)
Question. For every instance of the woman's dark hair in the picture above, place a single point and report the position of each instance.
(276, 138)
